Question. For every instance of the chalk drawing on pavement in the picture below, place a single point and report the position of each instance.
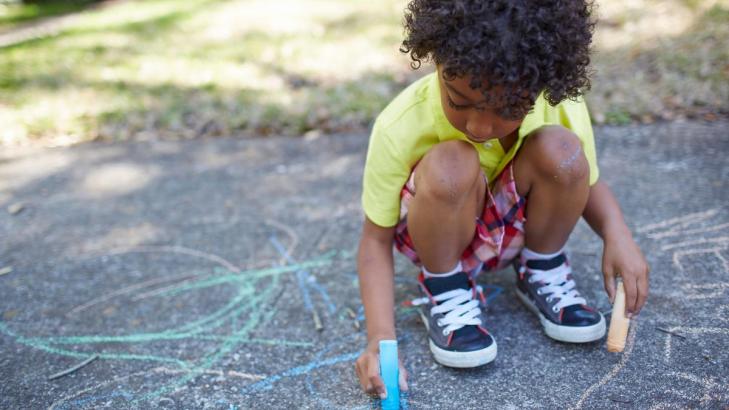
(711, 392)
(252, 305)
(699, 236)
(704, 232)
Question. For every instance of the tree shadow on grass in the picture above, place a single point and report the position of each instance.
(130, 105)
(139, 108)
(178, 112)
(141, 28)
(28, 12)
(174, 102)
(683, 76)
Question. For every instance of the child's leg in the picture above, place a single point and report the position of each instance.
(552, 172)
(441, 221)
(450, 191)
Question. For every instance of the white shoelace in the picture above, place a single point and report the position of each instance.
(556, 286)
(459, 306)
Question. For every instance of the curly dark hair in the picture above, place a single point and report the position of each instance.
(523, 47)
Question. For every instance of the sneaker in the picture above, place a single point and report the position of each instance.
(546, 287)
(451, 312)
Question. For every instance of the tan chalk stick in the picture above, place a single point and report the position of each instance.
(618, 322)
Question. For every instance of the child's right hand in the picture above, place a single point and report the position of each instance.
(368, 371)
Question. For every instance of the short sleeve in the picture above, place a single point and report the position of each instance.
(385, 173)
(574, 115)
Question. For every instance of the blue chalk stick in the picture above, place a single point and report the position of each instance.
(389, 370)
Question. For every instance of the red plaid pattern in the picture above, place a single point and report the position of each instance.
(499, 231)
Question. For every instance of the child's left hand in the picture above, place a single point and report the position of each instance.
(622, 256)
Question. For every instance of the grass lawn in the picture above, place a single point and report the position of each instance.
(185, 69)
(13, 13)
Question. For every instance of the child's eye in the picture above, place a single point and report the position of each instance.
(456, 106)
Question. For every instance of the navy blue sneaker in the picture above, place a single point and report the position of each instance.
(546, 287)
(451, 311)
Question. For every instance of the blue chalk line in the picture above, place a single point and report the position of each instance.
(304, 279)
(266, 384)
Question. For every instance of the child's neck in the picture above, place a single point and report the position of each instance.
(508, 141)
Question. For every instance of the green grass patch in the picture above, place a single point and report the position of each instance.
(617, 117)
(185, 69)
(15, 13)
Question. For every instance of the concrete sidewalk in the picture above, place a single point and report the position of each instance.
(193, 271)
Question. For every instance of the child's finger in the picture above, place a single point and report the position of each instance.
(403, 379)
(609, 277)
(361, 375)
(631, 295)
(375, 381)
(378, 386)
(642, 292)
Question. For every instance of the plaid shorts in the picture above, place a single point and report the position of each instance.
(499, 235)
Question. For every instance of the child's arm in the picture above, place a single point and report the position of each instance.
(621, 254)
(376, 285)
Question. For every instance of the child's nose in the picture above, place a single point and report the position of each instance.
(479, 129)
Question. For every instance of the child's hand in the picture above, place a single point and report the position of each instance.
(621, 256)
(368, 371)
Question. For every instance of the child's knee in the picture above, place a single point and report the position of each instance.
(448, 172)
(556, 153)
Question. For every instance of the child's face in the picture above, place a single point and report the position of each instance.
(466, 109)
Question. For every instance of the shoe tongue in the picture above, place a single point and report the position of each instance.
(437, 285)
(546, 264)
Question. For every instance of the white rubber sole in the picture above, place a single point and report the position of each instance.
(569, 334)
(461, 359)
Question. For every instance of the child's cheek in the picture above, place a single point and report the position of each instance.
(456, 118)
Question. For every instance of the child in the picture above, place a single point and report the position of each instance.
(488, 161)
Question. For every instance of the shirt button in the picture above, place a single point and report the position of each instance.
(488, 145)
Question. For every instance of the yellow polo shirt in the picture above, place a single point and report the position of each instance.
(414, 121)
